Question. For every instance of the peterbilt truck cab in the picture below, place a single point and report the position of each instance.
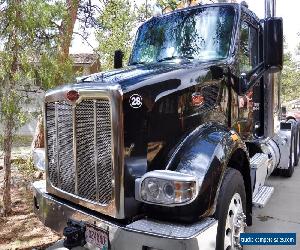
(172, 150)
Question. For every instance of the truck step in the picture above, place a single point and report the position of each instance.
(263, 195)
(259, 170)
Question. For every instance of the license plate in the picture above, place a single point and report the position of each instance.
(96, 237)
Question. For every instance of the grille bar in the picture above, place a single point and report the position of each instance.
(95, 147)
(51, 139)
(57, 145)
(75, 149)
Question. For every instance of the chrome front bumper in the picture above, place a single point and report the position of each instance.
(139, 235)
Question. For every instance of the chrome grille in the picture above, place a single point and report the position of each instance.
(84, 169)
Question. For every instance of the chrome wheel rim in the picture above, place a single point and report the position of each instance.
(235, 223)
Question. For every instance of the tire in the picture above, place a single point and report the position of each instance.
(289, 172)
(231, 210)
(297, 144)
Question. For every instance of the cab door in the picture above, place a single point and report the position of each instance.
(249, 103)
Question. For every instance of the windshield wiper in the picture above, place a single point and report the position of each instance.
(175, 57)
(136, 63)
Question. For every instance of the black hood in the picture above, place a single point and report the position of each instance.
(136, 77)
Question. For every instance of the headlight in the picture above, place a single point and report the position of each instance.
(167, 188)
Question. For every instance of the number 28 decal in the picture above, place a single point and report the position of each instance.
(135, 101)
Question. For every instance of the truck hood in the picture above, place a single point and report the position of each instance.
(136, 77)
(153, 81)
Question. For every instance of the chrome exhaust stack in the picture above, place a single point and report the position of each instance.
(272, 84)
(270, 8)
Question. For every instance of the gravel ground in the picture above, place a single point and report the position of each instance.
(22, 229)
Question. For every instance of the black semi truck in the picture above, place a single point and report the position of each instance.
(173, 150)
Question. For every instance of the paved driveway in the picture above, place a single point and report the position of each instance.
(282, 212)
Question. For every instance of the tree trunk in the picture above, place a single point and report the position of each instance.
(7, 147)
(67, 27)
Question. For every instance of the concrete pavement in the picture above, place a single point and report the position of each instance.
(282, 212)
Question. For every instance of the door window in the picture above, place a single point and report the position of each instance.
(248, 53)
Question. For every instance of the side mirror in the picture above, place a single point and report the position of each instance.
(273, 43)
(118, 59)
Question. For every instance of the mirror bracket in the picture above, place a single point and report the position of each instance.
(118, 59)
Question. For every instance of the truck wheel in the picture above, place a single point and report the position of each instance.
(297, 144)
(230, 211)
(289, 172)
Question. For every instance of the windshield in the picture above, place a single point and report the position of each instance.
(202, 34)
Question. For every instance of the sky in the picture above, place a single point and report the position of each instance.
(287, 9)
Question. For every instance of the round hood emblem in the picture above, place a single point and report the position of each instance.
(72, 95)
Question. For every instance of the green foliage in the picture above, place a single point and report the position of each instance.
(168, 4)
(290, 79)
(29, 35)
(51, 68)
(143, 12)
(117, 22)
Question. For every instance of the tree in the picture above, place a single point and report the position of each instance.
(143, 11)
(169, 4)
(290, 79)
(67, 26)
(290, 76)
(28, 59)
(66, 30)
(116, 23)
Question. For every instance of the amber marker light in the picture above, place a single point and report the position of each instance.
(197, 99)
(72, 95)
